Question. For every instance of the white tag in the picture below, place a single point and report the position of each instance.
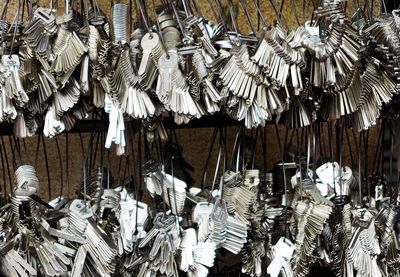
(313, 30)
(10, 61)
(283, 251)
(327, 172)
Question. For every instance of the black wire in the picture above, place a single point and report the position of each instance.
(284, 182)
(61, 167)
(7, 164)
(264, 148)
(4, 173)
(67, 159)
(366, 139)
(140, 159)
(93, 162)
(349, 147)
(278, 137)
(253, 152)
(374, 170)
(47, 167)
(14, 164)
(18, 147)
(210, 148)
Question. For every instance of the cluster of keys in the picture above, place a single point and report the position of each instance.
(107, 231)
(55, 67)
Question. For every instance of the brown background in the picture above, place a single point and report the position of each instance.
(195, 142)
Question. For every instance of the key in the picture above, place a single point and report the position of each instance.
(150, 42)
(150, 235)
(120, 23)
(79, 261)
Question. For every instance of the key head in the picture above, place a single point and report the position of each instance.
(78, 206)
(44, 15)
(220, 213)
(10, 60)
(169, 60)
(150, 41)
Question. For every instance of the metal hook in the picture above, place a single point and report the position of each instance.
(260, 13)
(222, 19)
(247, 13)
(138, 4)
(233, 17)
(211, 146)
(159, 31)
(279, 13)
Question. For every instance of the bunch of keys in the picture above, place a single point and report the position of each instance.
(165, 245)
(281, 255)
(252, 258)
(201, 216)
(153, 177)
(12, 85)
(68, 50)
(120, 31)
(39, 30)
(219, 220)
(196, 257)
(236, 235)
(81, 223)
(174, 193)
(363, 246)
(116, 128)
(172, 88)
(241, 75)
(148, 68)
(132, 220)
